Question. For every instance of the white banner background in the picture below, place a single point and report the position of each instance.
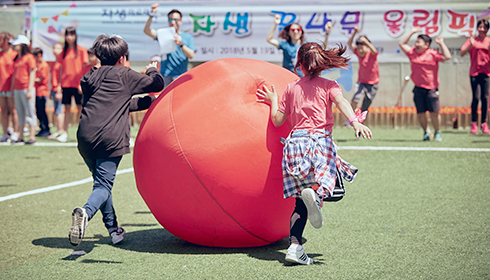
(239, 29)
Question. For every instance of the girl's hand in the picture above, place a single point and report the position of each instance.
(266, 96)
(361, 129)
(28, 94)
(277, 19)
(58, 96)
(328, 27)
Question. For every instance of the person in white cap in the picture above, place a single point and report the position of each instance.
(23, 88)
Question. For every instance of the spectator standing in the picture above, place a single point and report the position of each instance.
(479, 49)
(7, 104)
(424, 63)
(72, 60)
(368, 75)
(175, 63)
(42, 92)
(23, 88)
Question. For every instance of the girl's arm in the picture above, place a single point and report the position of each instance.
(270, 37)
(467, 49)
(346, 109)
(32, 78)
(270, 97)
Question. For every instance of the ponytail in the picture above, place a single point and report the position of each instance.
(314, 58)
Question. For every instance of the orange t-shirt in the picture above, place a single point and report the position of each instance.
(6, 69)
(42, 72)
(22, 68)
(55, 76)
(72, 67)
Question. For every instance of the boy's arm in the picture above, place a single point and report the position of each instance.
(140, 103)
(152, 81)
(445, 50)
(350, 42)
(404, 41)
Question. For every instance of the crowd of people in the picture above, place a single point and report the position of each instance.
(103, 90)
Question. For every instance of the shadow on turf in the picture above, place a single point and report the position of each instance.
(160, 241)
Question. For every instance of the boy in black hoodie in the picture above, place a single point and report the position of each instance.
(103, 132)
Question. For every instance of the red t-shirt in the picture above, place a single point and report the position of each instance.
(72, 67)
(55, 76)
(479, 55)
(42, 72)
(22, 68)
(6, 69)
(308, 103)
(425, 67)
(368, 68)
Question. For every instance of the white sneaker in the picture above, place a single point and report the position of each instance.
(118, 235)
(313, 202)
(14, 137)
(53, 136)
(63, 137)
(79, 223)
(296, 254)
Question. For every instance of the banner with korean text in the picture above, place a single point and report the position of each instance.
(239, 29)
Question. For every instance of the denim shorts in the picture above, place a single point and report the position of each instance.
(5, 93)
(57, 104)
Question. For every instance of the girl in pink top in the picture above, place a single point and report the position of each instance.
(310, 156)
(479, 49)
(368, 75)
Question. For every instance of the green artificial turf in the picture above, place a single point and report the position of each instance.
(408, 215)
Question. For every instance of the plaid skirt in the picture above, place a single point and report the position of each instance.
(310, 158)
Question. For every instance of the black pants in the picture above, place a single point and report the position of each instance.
(41, 113)
(480, 86)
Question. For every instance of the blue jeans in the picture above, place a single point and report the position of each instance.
(104, 172)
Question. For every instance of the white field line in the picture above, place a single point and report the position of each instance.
(372, 148)
(57, 187)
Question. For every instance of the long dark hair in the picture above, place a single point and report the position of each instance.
(70, 30)
(314, 58)
(284, 34)
(24, 49)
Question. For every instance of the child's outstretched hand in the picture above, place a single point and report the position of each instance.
(152, 64)
(266, 96)
(362, 130)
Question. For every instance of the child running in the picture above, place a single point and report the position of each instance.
(310, 155)
(103, 132)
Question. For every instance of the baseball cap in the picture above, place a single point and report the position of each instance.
(21, 39)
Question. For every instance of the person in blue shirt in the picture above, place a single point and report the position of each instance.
(293, 37)
(175, 63)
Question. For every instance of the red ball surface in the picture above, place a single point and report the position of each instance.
(207, 159)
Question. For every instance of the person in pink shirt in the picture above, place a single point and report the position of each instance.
(479, 49)
(368, 75)
(424, 63)
(310, 157)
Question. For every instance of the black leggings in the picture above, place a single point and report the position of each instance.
(480, 86)
(298, 222)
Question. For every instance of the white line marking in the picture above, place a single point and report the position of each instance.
(436, 149)
(57, 187)
(372, 148)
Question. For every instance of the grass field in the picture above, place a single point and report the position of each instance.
(410, 214)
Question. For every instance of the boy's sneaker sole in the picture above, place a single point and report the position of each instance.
(79, 223)
(312, 202)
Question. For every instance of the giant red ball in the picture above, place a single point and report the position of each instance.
(207, 158)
